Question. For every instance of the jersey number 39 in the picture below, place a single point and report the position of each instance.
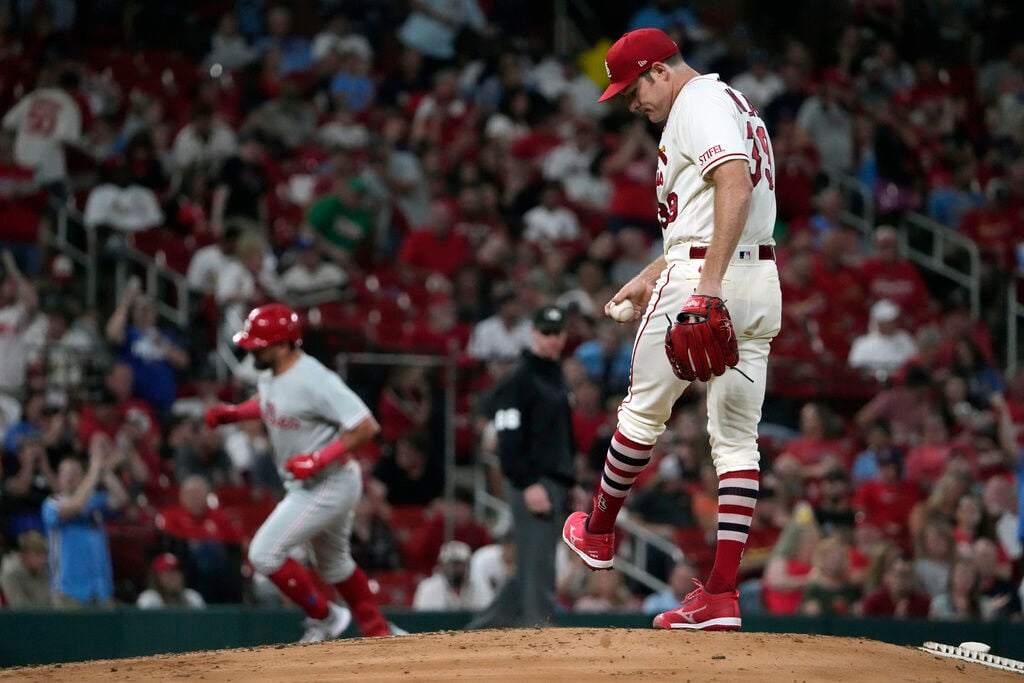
(760, 148)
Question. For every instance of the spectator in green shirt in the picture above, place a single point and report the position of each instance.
(341, 221)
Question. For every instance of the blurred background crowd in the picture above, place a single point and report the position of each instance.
(418, 176)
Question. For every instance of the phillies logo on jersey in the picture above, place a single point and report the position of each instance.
(287, 422)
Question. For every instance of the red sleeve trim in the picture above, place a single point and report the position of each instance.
(720, 160)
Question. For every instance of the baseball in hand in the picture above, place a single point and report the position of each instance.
(621, 312)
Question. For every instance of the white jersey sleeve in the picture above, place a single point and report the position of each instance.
(339, 403)
(710, 134)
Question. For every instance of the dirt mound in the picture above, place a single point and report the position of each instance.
(540, 655)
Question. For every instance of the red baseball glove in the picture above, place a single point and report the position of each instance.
(701, 343)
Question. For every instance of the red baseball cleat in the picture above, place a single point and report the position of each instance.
(596, 550)
(703, 611)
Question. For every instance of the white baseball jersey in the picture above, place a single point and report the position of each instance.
(307, 407)
(709, 124)
(44, 120)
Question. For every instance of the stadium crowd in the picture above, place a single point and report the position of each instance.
(419, 177)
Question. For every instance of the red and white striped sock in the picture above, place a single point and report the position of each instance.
(737, 496)
(625, 461)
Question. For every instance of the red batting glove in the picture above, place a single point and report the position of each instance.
(305, 465)
(219, 414)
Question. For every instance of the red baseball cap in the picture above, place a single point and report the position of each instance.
(164, 562)
(633, 54)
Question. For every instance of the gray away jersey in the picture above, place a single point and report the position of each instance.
(306, 408)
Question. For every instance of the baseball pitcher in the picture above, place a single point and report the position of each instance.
(708, 307)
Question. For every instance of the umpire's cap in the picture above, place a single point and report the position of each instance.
(269, 324)
(549, 320)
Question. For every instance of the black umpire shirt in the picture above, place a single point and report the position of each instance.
(533, 420)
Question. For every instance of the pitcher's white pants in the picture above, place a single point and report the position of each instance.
(753, 296)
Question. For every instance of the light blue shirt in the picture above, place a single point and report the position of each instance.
(79, 555)
(436, 39)
(656, 603)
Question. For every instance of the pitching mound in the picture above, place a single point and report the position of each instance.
(537, 656)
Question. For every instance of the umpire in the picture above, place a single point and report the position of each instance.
(532, 419)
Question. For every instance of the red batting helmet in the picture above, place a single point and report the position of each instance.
(269, 324)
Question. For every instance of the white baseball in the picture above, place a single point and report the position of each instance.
(621, 312)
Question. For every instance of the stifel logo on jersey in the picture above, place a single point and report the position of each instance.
(709, 154)
(271, 417)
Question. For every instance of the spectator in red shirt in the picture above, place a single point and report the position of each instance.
(631, 172)
(20, 202)
(996, 227)
(926, 461)
(588, 415)
(441, 117)
(800, 334)
(797, 163)
(207, 541)
(958, 322)
(193, 519)
(887, 501)
(436, 248)
(405, 404)
(101, 414)
(820, 446)
(789, 569)
(424, 547)
(887, 275)
(120, 379)
(440, 329)
(897, 597)
(904, 406)
(836, 276)
(968, 525)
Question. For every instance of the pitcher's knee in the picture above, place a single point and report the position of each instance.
(638, 427)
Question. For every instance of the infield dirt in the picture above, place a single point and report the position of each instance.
(541, 655)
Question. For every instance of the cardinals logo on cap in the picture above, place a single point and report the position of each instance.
(607, 70)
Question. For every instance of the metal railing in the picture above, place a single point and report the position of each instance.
(157, 278)
(858, 202)
(57, 236)
(632, 553)
(937, 248)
